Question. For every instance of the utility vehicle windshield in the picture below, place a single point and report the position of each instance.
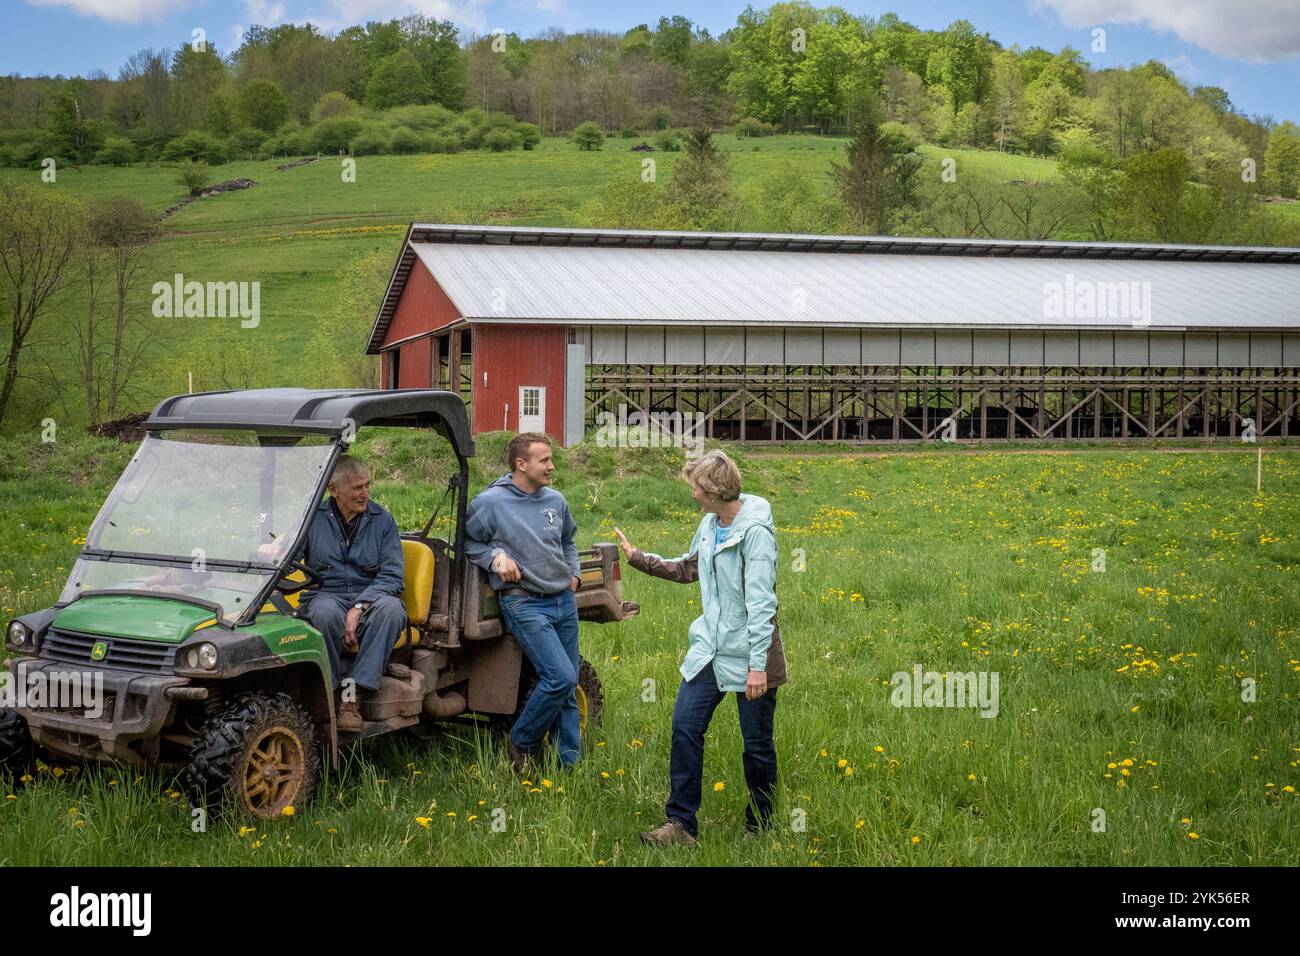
(191, 514)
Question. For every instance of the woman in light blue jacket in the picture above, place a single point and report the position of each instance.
(735, 645)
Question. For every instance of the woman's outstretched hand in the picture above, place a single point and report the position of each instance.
(624, 544)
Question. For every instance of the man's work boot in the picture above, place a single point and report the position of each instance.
(349, 718)
(518, 759)
(668, 834)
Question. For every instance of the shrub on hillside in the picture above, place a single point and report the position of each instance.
(197, 145)
(246, 142)
(193, 175)
(668, 142)
(372, 140)
(407, 140)
(334, 135)
(589, 136)
(430, 116)
(333, 105)
(530, 135)
(443, 143)
(659, 118)
(297, 140)
(749, 126)
(502, 140)
(116, 151)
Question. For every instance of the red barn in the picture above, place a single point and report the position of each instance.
(511, 370)
(774, 338)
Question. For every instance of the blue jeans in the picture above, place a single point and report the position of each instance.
(547, 629)
(696, 702)
(380, 626)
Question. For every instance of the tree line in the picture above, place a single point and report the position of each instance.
(787, 67)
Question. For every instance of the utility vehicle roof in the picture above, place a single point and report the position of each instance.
(319, 411)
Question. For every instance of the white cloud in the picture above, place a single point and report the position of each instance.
(336, 14)
(264, 12)
(1184, 69)
(121, 11)
(1255, 30)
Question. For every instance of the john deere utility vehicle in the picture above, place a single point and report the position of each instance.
(183, 637)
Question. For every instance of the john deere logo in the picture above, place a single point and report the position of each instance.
(98, 652)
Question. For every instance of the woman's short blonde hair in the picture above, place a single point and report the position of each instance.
(714, 473)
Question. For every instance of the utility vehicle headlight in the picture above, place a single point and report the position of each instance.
(19, 634)
(204, 657)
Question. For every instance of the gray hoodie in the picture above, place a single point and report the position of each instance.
(536, 530)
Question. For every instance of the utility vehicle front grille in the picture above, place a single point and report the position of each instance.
(122, 653)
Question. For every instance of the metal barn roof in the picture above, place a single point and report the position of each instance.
(593, 277)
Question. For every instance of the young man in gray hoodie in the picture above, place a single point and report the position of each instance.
(520, 531)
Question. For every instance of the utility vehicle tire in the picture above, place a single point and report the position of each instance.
(15, 743)
(591, 698)
(255, 756)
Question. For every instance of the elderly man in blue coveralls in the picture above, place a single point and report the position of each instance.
(355, 547)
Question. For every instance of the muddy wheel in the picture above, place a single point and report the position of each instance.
(15, 743)
(255, 756)
(591, 699)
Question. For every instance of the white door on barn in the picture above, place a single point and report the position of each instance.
(532, 408)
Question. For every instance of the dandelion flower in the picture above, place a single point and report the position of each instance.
(288, 811)
(916, 840)
(423, 821)
(842, 763)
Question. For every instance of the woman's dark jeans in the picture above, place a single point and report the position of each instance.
(696, 702)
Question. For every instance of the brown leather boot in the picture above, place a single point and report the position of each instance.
(349, 717)
(667, 834)
(518, 759)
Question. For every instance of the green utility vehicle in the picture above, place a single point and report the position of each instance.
(176, 640)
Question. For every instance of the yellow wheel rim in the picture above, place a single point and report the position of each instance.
(274, 772)
(582, 708)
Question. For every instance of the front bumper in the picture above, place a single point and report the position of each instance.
(120, 717)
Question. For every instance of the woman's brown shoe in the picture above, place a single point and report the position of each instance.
(668, 834)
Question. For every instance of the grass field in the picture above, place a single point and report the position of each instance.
(1120, 690)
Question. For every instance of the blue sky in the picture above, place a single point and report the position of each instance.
(1249, 47)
